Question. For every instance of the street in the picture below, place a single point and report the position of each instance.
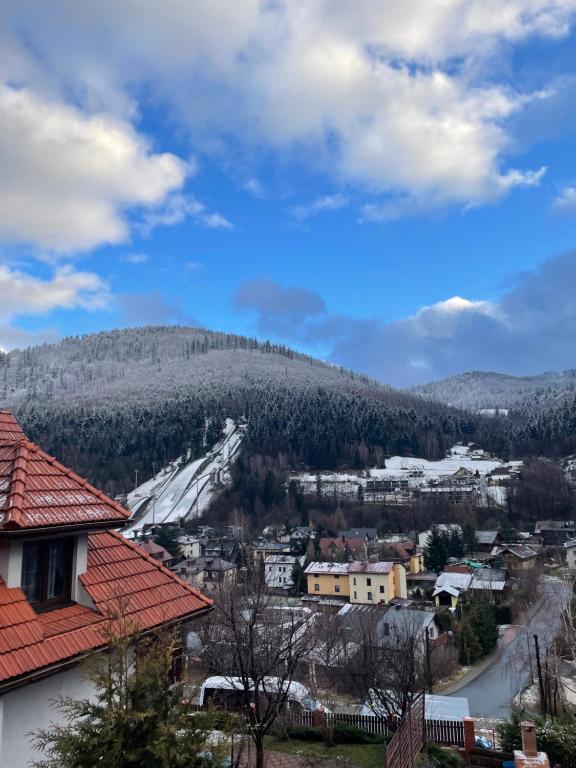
(492, 692)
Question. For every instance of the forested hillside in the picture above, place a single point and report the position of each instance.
(111, 403)
(479, 390)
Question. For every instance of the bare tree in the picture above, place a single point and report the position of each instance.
(393, 663)
(258, 644)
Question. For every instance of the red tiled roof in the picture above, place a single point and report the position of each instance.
(10, 430)
(356, 546)
(118, 573)
(37, 491)
(155, 549)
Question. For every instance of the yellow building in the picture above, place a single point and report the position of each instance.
(416, 563)
(328, 579)
(373, 583)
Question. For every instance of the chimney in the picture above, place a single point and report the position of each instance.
(529, 739)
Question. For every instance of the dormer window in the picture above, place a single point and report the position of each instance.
(47, 572)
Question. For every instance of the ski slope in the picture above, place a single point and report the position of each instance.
(180, 490)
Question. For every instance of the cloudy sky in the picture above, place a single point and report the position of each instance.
(389, 184)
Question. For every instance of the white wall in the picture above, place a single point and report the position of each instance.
(29, 708)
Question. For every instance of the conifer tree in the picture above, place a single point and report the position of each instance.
(435, 552)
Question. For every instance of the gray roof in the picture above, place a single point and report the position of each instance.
(570, 543)
(358, 533)
(330, 568)
(520, 550)
(459, 581)
(486, 537)
(555, 525)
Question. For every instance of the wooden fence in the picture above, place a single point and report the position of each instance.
(408, 739)
(449, 733)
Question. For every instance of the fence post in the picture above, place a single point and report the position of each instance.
(469, 735)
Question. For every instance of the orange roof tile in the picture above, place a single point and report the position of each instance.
(118, 571)
(37, 491)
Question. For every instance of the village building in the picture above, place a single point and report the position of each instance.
(570, 547)
(368, 534)
(372, 583)
(336, 548)
(328, 579)
(208, 572)
(554, 533)
(157, 552)
(190, 546)
(63, 570)
(278, 570)
(516, 557)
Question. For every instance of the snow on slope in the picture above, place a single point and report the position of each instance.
(183, 490)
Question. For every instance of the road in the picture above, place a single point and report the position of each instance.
(492, 692)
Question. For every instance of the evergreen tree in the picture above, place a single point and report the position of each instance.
(167, 536)
(455, 544)
(138, 717)
(468, 538)
(469, 644)
(435, 552)
(482, 619)
(507, 531)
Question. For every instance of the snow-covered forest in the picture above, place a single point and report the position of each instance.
(110, 403)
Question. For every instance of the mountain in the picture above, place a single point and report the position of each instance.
(479, 390)
(115, 403)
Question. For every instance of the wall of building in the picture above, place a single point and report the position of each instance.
(571, 558)
(328, 584)
(371, 588)
(26, 709)
(400, 587)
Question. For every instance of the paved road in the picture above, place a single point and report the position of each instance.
(491, 693)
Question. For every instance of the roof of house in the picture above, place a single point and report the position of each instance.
(486, 537)
(119, 573)
(453, 583)
(356, 546)
(356, 533)
(554, 525)
(489, 579)
(329, 568)
(570, 543)
(36, 491)
(363, 566)
(155, 549)
(519, 550)
(283, 560)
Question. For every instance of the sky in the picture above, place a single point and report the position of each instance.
(387, 184)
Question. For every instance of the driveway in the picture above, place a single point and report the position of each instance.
(491, 693)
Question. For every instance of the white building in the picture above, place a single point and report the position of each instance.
(190, 547)
(278, 570)
(62, 570)
(570, 547)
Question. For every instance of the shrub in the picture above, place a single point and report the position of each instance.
(306, 733)
(345, 733)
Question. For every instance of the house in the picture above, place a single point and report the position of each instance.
(190, 546)
(516, 557)
(450, 587)
(210, 572)
(278, 570)
(570, 547)
(63, 569)
(405, 551)
(555, 532)
(261, 550)
(328, 579)
(372, 583)
(368, 534)
(487, 540)
(490, 582)
(342, 549)
(157, 552)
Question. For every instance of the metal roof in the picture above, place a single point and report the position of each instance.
(364, 566)
(330, 568)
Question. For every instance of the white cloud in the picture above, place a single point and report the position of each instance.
(176, 209)
(136, 258)
(24, 294)
(320, 205)
(566, 200)
(399, 97)
(68, 177)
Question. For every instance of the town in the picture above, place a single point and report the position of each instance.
(369, 620)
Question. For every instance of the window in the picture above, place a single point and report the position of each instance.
(336, 577)
(382, 589)
(355, 595)
(337, 588)
(47, 572)
(369, 595)
(316, 587)
(368, 582)
(354, 580)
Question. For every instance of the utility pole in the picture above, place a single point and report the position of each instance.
(136, 479)
(428, 661)
(540, 678)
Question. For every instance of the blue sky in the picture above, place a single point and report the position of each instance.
(389, 184)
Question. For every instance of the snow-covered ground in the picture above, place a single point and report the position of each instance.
(181, 489)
